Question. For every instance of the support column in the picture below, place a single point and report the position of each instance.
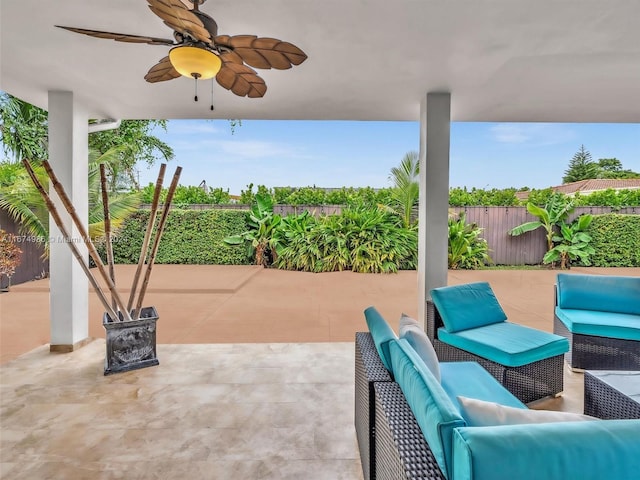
(68, 155)
(435, 125)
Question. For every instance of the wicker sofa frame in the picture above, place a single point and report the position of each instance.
(391, 443)
(528, 382)
(589, 352)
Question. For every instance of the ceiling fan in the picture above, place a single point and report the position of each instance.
(199, 52)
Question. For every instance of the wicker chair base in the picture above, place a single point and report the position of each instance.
(528, 382)
(369, 369)
(401, 449)
(603, 401)
(587, 352)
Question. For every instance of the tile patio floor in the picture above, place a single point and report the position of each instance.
(255, 377)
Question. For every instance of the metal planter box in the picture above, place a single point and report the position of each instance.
(131, 344)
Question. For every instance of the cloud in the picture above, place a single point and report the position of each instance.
(533, 134)
(191, 127)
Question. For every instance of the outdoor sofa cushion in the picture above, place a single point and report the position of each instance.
(600, 324)
(507, 343)
(603, 293)
(381, 333)
(467, 306)
(559, 450)
(434, 412)
(469, 379)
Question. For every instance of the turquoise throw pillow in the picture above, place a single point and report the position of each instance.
(381, 333)
(467, 306)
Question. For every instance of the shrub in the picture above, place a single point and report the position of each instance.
(190, 237)
(466, 249)
(365, 240)
(616, 240)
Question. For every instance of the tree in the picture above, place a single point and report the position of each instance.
(136, 144)
(23, 129)
(581, 167)
(405, 191)
(9, 256)
(612, 168)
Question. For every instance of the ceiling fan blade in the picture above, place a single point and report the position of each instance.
(178, 17)
(263, 52)
(241, 80)
(120, 37)
(161, 72)
(230, 56)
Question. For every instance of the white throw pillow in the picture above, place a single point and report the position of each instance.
(406, 320)
(413, 333)
(479, 413)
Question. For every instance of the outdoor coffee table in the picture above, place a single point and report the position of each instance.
(610, 394)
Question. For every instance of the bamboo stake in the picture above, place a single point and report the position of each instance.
(67, 238)
(147, 236)
(85, 237)
(107, 229)
(156, 241)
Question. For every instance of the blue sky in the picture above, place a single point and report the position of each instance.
(336, 154)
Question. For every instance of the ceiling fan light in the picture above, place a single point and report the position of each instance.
(195, 62)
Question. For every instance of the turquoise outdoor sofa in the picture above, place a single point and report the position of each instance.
(426, 424)
(466, 323)
(600, 316)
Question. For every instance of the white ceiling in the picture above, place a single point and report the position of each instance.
(502, 60)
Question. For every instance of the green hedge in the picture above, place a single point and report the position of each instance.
(616, 240)
(190, 237)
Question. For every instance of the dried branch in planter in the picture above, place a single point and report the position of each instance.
(156, 241)
(147, 236)
(107, 229)
(85, 236)
(67, 238)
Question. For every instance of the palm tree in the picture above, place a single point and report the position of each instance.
(405, 192)
(23, 202)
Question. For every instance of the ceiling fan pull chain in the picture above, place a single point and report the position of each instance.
(212, 94)
(195, 99)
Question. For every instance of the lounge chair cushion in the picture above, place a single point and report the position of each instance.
(507, 343)
(599, 292)
(600, 324)
(467, 306)
(480, 413)
(413, 333)
(434, 412)
(469, 379)
(381, 333)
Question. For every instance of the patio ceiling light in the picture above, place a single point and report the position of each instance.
(195, 62)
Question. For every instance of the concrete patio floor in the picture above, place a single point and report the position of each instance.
(255, 377)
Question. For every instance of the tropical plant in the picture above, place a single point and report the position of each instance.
(260, 237)
(556, 210)
(466, 249)
(10, 255)
(406, 187)
(295, 250)
(572, 243)
(23, 201)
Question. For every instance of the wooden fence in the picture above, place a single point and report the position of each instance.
(527, 249)
(32, 265)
